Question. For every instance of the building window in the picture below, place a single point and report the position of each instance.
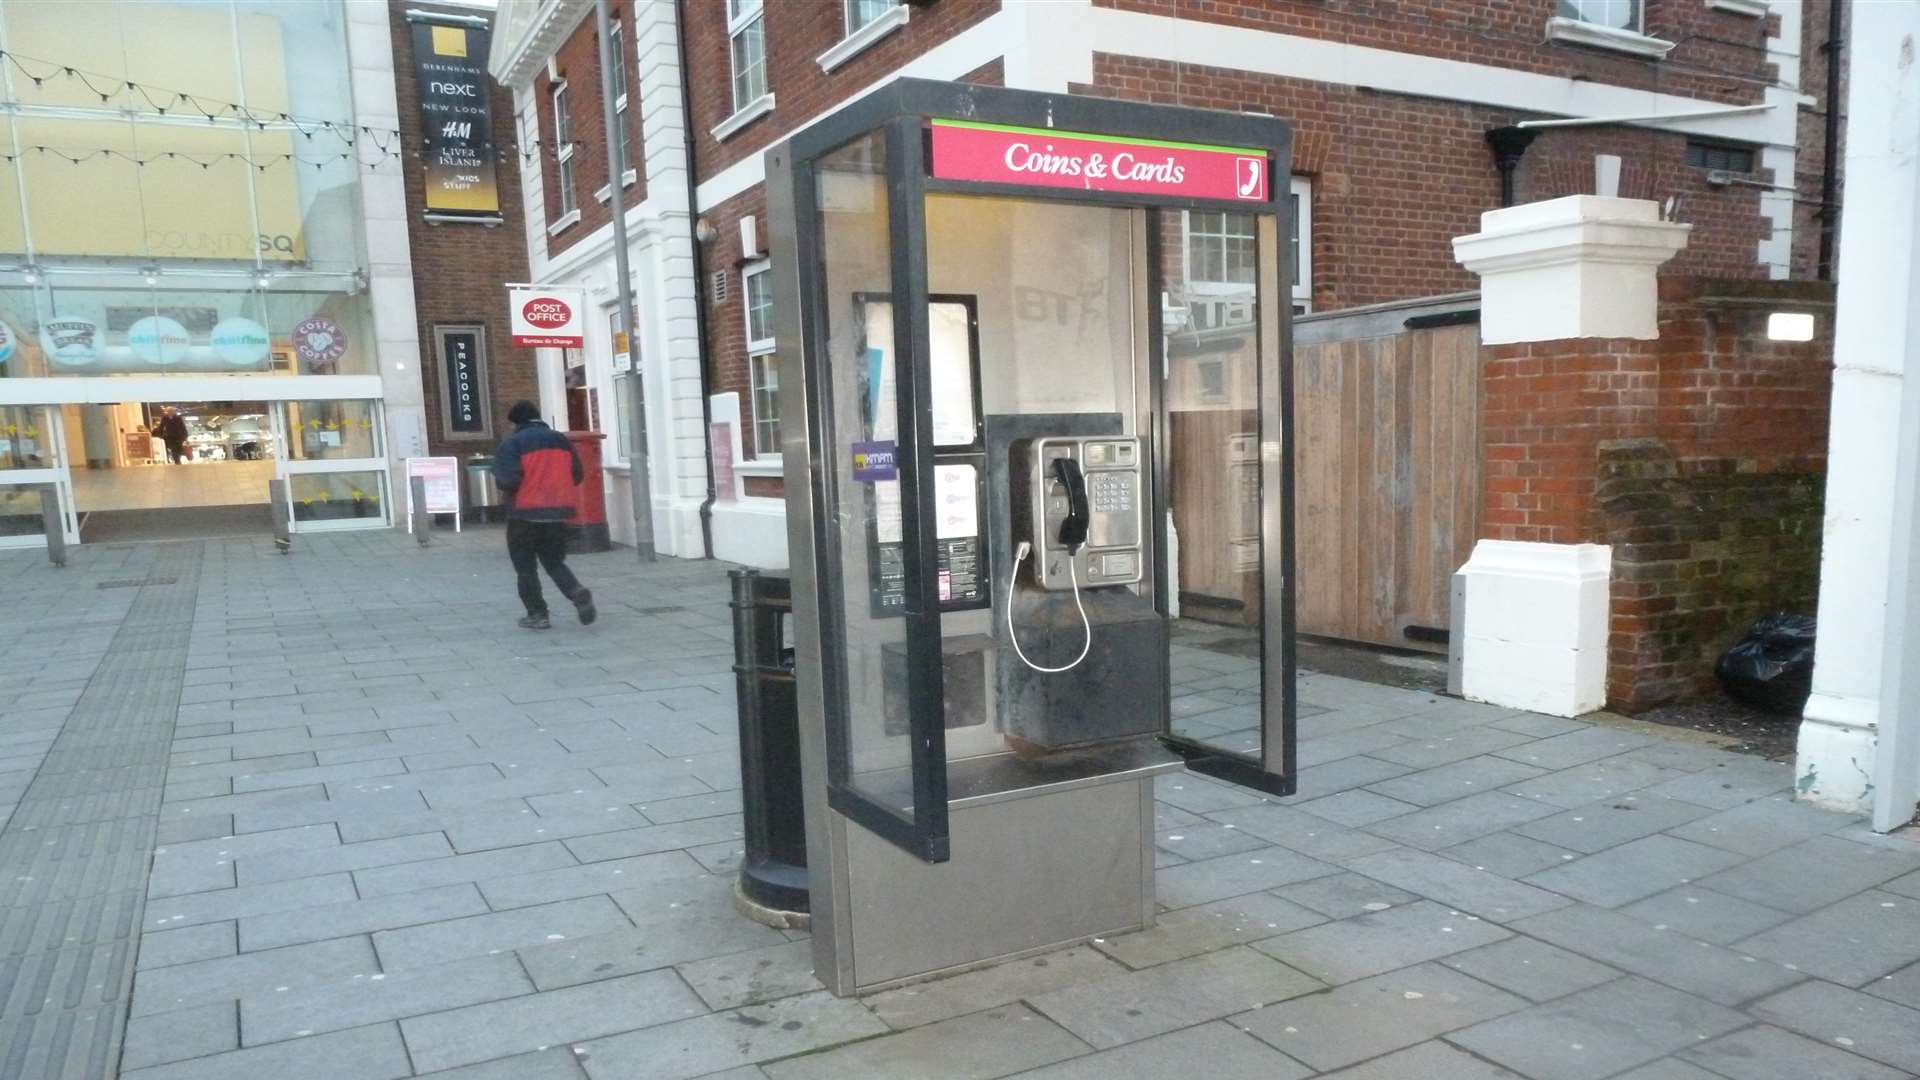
(1300, 242)
(746, 29)
(862, 12)
(756, 287)
(1737, 159)
(563, 149)
(620, 363)
(1613, 14)
(620, 99)
(1220, 248)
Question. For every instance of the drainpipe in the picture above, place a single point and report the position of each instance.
(699, 277)
(1509, 146)
(1829, 171)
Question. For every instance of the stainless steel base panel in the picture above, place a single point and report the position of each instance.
(1028, 874)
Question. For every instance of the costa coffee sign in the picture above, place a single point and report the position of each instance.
(545, 318)
(1038, 157)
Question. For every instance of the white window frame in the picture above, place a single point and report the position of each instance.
(1207, 286)
(563, 155)
(760, 354)
(858, 39)
(742, 14)
(1570, 9)
(627, 149)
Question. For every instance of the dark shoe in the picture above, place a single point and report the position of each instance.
(536, 622)
(584, 604)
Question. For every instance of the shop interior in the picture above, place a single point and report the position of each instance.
(132, 482)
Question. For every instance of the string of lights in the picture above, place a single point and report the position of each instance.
(260, 161)
(165, 101)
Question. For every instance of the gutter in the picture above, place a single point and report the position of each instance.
(699, 277)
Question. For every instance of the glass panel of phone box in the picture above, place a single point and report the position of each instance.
(1054, 640)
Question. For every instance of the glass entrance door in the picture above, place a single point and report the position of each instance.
(32, 456)
(335, 464)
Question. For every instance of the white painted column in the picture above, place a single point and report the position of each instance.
(663, 274)
(1864, 685)
(383, 200)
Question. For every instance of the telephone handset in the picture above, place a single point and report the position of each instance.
(1077, 512)
(1073, 527)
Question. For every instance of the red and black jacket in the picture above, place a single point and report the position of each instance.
(537, 469)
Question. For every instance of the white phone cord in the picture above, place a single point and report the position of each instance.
(1086, 624)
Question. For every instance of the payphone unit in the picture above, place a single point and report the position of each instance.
(1033, 352)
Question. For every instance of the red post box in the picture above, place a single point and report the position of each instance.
(587, 528)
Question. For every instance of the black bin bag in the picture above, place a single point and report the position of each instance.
(1772, 667)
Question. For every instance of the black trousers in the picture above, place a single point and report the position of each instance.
(536, 544)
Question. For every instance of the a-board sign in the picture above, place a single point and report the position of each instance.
(442, 475)
(547, 317)
(1040, 157)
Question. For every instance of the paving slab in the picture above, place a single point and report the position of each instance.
(1376, 1016)
(1634, 871)
(358, 917)
(1763, 826)
(1012, 980)
(1508, 854)
(1456, 822)
(1728, 977)
(981, 1046)
(753, 977)
(1186, 932)
(1139, 1004)
(1458, 885)
(1770, 1053)
(481, 935)
(158, 1038)
(360, 999)
(1236, 875)
(369, 1053)
(1813, 873)
(231, 977)
(501, 1028)
(1611, 822)
(1533, 969)
(1356, 808)
(1599, 1032)
(1704, 915)
(1340, 895)
(1228, 1054)
(1835, 1015)
(723, 1041)
(1853, 942)
(1433, 1060)
(1575, 748)
(1364, 945)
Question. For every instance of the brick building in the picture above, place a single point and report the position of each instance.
(459, 265)
(1712, 106)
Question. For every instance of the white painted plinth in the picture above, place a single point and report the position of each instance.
(1536, 626)
(1579, 266)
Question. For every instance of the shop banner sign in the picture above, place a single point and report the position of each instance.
(545, 318)
(466, 410)
(1038, 157)
(456, 120)
(442, 475)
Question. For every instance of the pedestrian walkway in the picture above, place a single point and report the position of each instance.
(398, 836)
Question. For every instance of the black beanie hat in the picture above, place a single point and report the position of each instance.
(522, 412)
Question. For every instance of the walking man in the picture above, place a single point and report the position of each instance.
(172, 430)
(537, 469)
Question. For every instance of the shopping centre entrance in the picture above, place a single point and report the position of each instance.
(173, 470)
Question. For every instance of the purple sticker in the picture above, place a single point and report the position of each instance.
(874, 462)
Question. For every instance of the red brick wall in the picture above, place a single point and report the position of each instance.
(578, 61)
(727, 367)
(458, 269)
(1396, 178)
(1699, 456)
(1811, 160)
(1718, 55)
(797, 32)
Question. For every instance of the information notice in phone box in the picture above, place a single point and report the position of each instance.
(442, 475)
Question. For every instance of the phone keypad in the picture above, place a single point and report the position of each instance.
(1110, 493)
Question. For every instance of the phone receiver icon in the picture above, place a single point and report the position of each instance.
(1251, 183)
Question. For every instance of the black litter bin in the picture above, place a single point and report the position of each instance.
(773, 875)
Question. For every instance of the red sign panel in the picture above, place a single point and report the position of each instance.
(1037, 157)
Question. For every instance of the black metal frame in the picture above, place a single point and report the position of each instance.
(901, 111)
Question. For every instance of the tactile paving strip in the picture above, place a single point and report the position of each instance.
(74, 856)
